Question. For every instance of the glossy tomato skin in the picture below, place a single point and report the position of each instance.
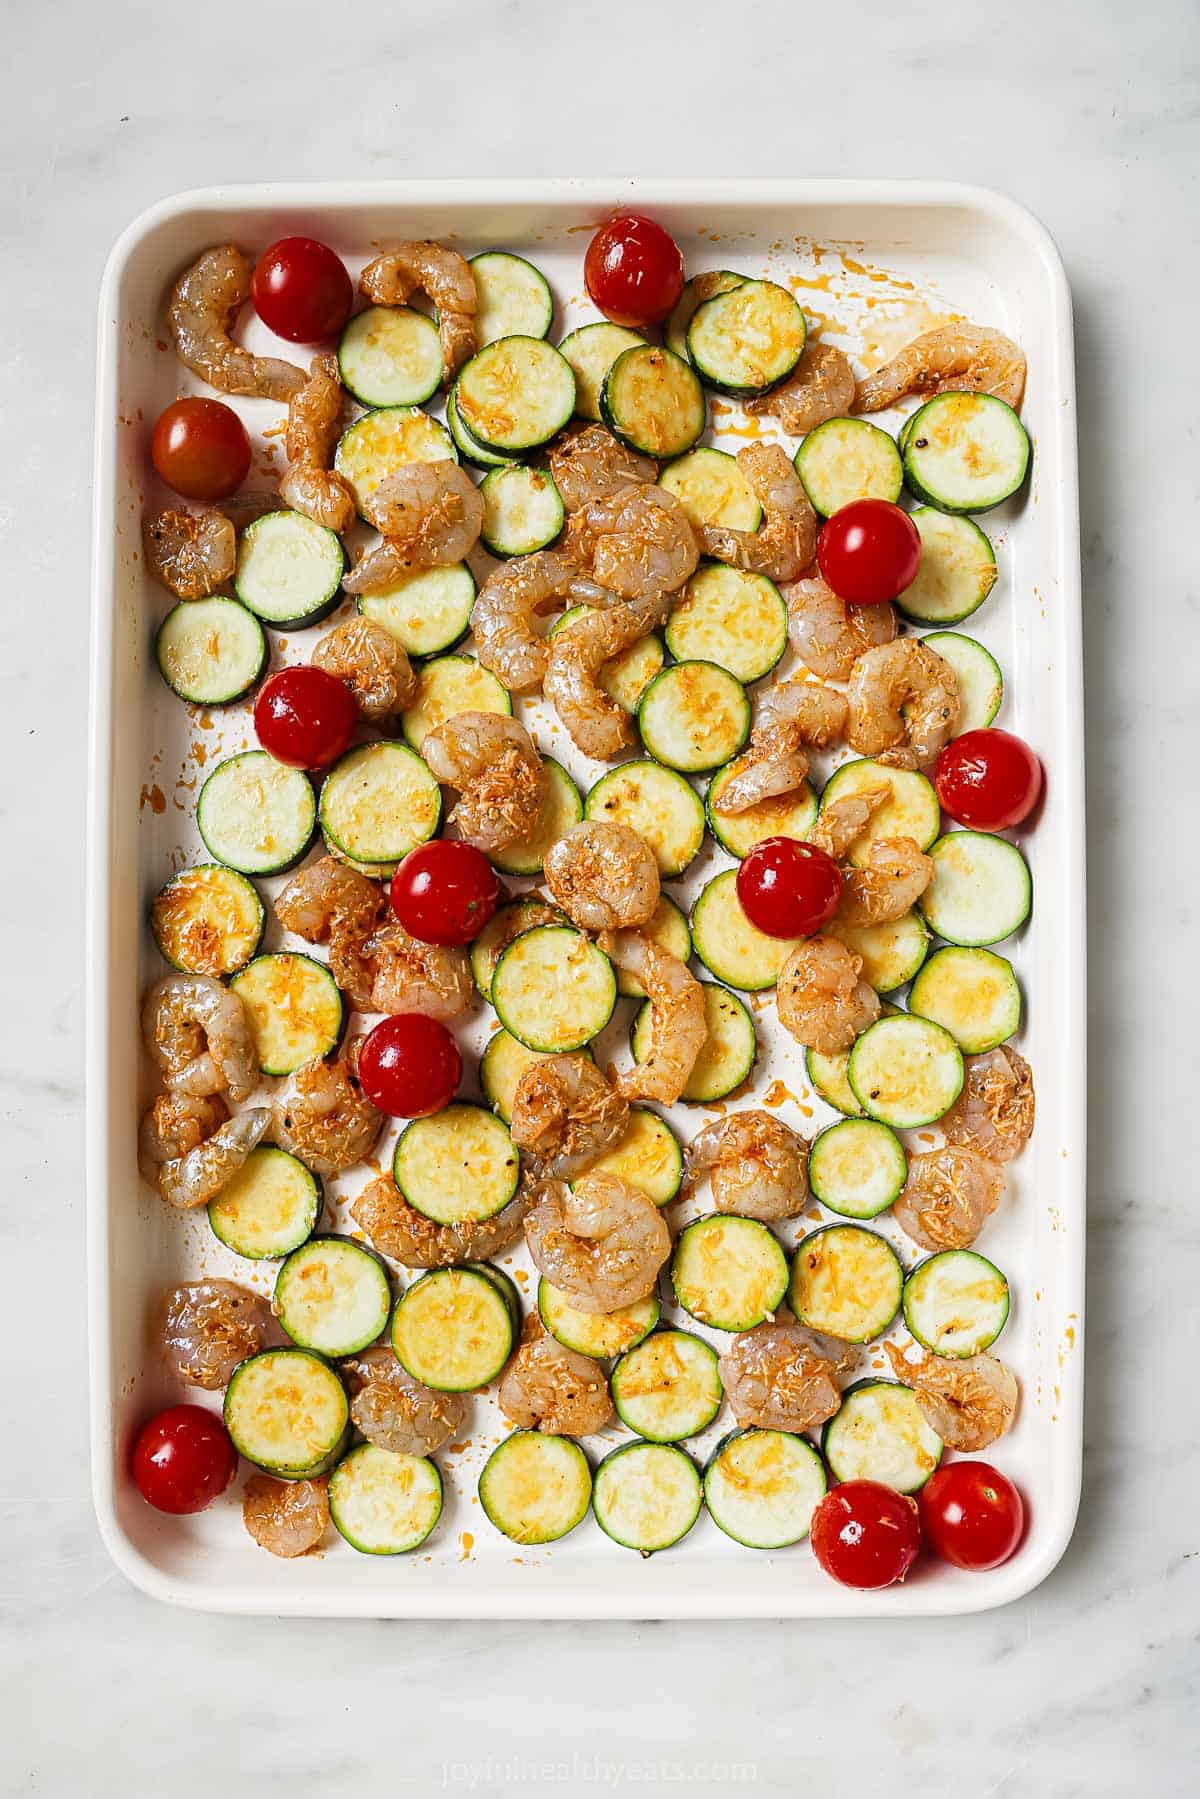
(633, 270)
(445, 892)
(988, 780)
(971, 1515)
(409, 1066)
(183, 1459)
(302, 291)
(200, 449)
(788, 889)
(869, 552)
(304, 717)
(865, 1535)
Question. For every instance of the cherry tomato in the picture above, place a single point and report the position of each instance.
(788, 889)
(869, 551)
(633, 270)
(865, 1535)
(988, 780)
(972, 1515)
(183, 1459)
(302, 291)
(410, 1066)
(445, 892)
(200, 448)
(305, 717)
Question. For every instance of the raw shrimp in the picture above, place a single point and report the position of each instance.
(829, 636)
(407, 975)
(994, 1112)
(758, 1166)
(394, 1411)
(328, 896)
(678, 1024)
(204, 305)
(398, 1230)
(948, 1197)
(288, 1517)
(603, 876)
(199, 1175)
(325, 1118)
(373, 664)
(199, 1036)
(445, 277)
(787, 541)
(311, 485)
(843, 821)
(822, 387)
(501, 779)
(601, 1242)
(210, 1327)
(596, 723)
(589, 464)
(549, 1387)
(892, 880)
(565, 1114)
(780, 1377)
(952, 359)
(793, 717)
(175, 1124)
(821, 998)
(637, 542)
(429, 515)
(191, 553)
(969, 1402)
(893, 676)
(520, 590)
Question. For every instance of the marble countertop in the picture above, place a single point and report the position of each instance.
(1087, 115)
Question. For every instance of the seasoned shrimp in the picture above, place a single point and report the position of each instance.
(821, 387)
(793, 717)
(590, 464)
(199, 1036)
(821, 998)
(327, 895)
(884, 680)
(969, 1402)
(601, 1243)
(445, 277)
(829, 636)
(952, 359)
(175, 1124)
(204, 305)
(549, 1387)
(373, 664)
(198, 1175)
(595, 722)
(787, 541)
(565, 1114)
(287, 1517)
(501, 779)
(638, 542)
(758, 1166)
(948, 1197)
(396, 1412)
(843, 821)
(398, 1230)
(513, 596)
(407, 975)
(311, 485)
(604, 876)
(780, 1377)
(429, 514)
(678, 1025)
(191, 553)
(325, 1118)
(994, 1112)
(892, 880)
(209, 1327)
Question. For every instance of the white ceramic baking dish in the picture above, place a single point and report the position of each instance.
(881, 260)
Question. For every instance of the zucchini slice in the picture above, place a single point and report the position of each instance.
(747, 339)
(269, 1207)
(378, 802)
(712, 490)
(653, 402)
(512, 298)
(891, 953)
(210, 652)
(515, 394)
(384, 1504)
(761, 1487)
(647, 1496)
(786, 815)
(694, 716)
(848, 459)
(735, 619)
(287, 1412)
(332, 1296)
(501, 1066)
(732, 948)
(981, 891)
(846, 1282)
(720, 282)
(458, 1166)
(207, 920)
(965, 452)
(553, 989)
(469, 447)
(857, 1167)
(535, 1487)
(827, 1075)
(980, 683)
(507, 1288)
(729, 1272)
(597, 1334)
(561, 808)
(729, 1051)
(591, 352)
(626, 677)
(973, 994)
(390, 356)
(522, 510)
(289, 570)
(905, 1071)
(669, 929)
(453, 1330)
(648, 1156)
(505, 924)
(449, 685)
(956, 573)
(428, 611)
(659, 805)
(956, 1303)
(255, 815)
(879, 1433)
(387, 439)
(293, 1008)
(912, 811)
(668, 1387)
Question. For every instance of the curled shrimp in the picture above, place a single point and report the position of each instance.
(969, 1401)
(175, 1124)
(781, 1377)
(209, 1327)
(549, 1387)
(199, 1036)
(191, 553)
(821, 998)
(787, 541)
(191, 1176)
(948, 1197)
(398, 1230)
(793, 717)
(829, 636)
(565, 1114)
(887, 680)
(442, 274)
(325, 1118)
(590, 464)
(373, 665)
(757, 1165)
(407, 975)
(205, 302)
(329, 902)
(842, 822)
(601, 1243)
(311, 485)
(396, 1412)
(513, 596)
(637, 542)
(501, 779)
(429, 515)
(604, 876)
(952, 359)
(286, 1517)
(595, 722)
(678, 1024)
(890, 882)
(994, 1112)
(821, 387)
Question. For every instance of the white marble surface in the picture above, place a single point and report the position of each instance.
(1088, 115)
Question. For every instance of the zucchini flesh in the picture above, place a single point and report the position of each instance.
(879, 1433)
(891, 953)
(712, 490)
(626, 677)
(289, 569)
(727, 616)
(591, 352)
(845, 460)
(653, 402)
(728, 1053)
(374, 447)
(729, 1272)
(458, 1166)
(761, 1488)
(857, 1167)
(648, 1156)
(255, 815)
(512, 298)
(390, 356)
(515, 394)
(384, 1504)
(505, 924)
(536, 1487)
(956, 1303)
(973, 994)
(506, 1287)
(378, 802)
(453, 1330)
(332, 1296)
(785, 815)
(911, 811)
(449, 685)
(980, 683)
(269, 1207)
(287, 1412)
(668, 1387)
(669, 929)
(905, 1071)
(597, 1334)
(561, 808)
(718, 282)
(828, 1077)
(427, 611)
(553, 989)
(748, 339)
(468, 446)
(522, 510)
(659, 805)
(210, 652)
(965, 452)
(293, 1008)
(846, 1282)
(732, 948)
(694, 716)
(981, 890)
(208, 920)
(956, 573)
(647, 1496)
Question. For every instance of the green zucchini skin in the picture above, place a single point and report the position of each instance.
(333, 1296)
(647, 1496)
(193, 669)
(942, 444)
(244, 790)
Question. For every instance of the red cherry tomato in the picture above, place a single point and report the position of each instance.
(972, 1515)
(788, 889)
(183, 1459)
(200, 448)
(865, 1535)
(410, 1066)
(988, 780)
(302, 291)
(445, 892)
(869, 552)
(305, 717)
(633, 270)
